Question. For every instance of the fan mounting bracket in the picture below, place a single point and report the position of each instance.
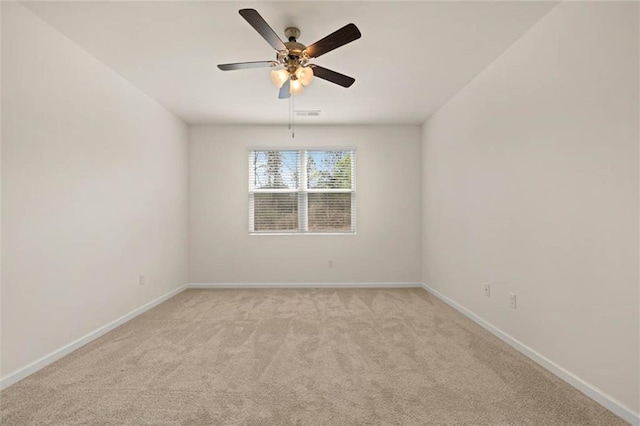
(292, 33)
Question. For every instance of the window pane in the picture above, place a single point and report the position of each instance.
(274, 169)
(275, 212)
(329, 169)
(329, 212)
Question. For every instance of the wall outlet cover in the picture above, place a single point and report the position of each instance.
(512, 300)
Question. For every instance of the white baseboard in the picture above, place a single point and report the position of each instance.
(591, 391)
(302, 285)
(67, 349)
(57, 354)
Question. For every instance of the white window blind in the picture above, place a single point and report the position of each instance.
(302, 191)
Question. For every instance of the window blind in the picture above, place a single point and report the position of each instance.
(302, 191)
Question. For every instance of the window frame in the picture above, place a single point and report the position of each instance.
(303, 191)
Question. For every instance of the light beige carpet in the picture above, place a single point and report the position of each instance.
(309, 357)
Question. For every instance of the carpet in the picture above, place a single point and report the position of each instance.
(298, 357)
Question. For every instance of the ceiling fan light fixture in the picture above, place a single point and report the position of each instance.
(279, 77)
(304, 75)
(292, 58)
(296, 87)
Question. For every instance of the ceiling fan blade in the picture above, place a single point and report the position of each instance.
(284, 90)
(260, 25)
(332, 76)
(344, 35)
(246, 65)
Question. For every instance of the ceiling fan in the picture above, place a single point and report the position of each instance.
(295, 57)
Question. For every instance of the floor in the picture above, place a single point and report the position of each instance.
(298, 356)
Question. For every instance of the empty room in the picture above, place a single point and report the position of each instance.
(320, 213)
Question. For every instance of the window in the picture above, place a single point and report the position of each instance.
(302, 191)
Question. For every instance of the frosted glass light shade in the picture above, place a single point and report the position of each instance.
(296, 87)
(279, 77)
(305, 75)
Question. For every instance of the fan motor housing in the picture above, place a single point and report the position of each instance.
(295, 48)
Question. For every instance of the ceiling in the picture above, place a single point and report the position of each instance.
(411, 59)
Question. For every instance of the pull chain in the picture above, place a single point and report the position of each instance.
(289, 111)
(293, 118)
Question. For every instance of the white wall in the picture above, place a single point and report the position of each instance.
(94, 184)
(1, 96)
(530, 183)
(385, 249)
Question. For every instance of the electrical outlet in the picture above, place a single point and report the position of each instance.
(141, 280)
(330, 264)
(512, 300)
(487, 290)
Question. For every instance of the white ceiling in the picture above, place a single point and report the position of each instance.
(411, 59)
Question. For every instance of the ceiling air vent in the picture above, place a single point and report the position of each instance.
(307, 112)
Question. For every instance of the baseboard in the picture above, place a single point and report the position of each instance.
(56, 355)
(303, 285)
(591, 391)
(67, 349)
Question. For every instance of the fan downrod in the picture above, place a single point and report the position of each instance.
(294, 48)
